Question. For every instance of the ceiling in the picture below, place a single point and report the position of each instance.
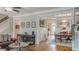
(24, 10)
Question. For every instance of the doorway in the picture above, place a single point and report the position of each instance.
(51, 25)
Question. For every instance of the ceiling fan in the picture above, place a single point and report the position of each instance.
(15, 9)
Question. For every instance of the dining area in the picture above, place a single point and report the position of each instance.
(7, 43)
(25, 40)
(64, 37)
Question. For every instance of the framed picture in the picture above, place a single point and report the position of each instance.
(27, 24)
(42, 23)
(22, 24)
(33, 24)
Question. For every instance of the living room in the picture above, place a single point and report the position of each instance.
(39, 29)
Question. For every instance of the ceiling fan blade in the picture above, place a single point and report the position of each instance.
(16, 10)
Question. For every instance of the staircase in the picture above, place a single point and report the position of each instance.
(4, 24)
(3, 17)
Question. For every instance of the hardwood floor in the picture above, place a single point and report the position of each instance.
(63, 48)
(43, 46)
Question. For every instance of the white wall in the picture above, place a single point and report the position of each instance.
(28, 30)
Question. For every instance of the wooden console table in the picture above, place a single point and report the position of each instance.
(27, 38)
